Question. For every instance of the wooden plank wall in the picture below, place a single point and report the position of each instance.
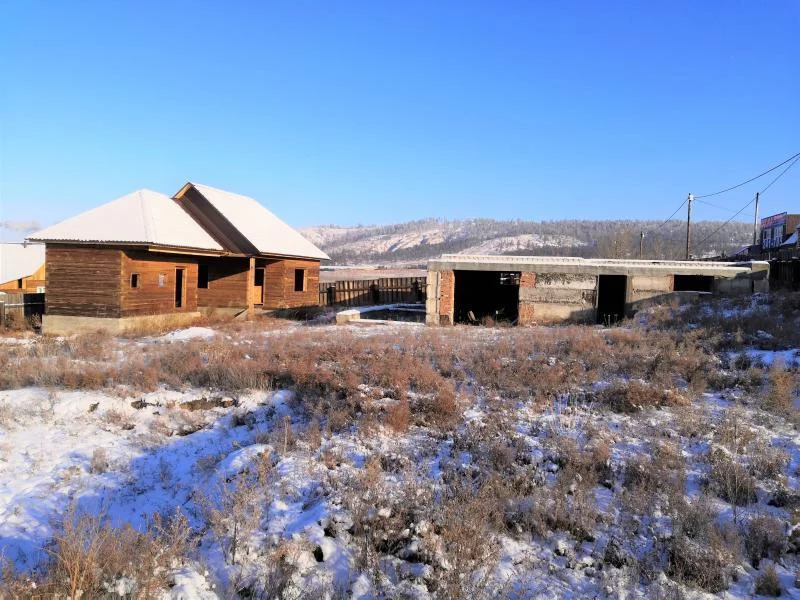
(18, 307)
(279, 283)
(227, 283)
(364, 292)
(82, 281)
(152, 298)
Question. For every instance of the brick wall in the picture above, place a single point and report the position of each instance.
(447, 292)
(526, 309)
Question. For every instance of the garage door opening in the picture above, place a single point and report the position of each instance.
(484, 295)
(611, 298)
(693, 283)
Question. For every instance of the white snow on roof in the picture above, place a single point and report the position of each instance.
(791, 240)
(18, 260)
(263, 229)
(143, 216)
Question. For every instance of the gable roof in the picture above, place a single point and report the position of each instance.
(19, 260)
(141, 217)
(262, 229)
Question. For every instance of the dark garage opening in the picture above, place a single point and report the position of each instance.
(482, 294)
(693, 283)
(611, 298)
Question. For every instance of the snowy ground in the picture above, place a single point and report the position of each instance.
(129, 455)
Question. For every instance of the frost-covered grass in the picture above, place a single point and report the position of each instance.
(275, 460)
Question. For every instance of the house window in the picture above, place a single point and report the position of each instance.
(134, 280)
(162, 280)
(299, 280)
(202, 277)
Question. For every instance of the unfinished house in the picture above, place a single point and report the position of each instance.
(532, 289)
(147, 255)
(22, 268)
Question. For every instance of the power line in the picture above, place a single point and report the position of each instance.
(781, 174)
(718, 229)
(796, 158)
(738, 185)
(667, 220)
(728, 210)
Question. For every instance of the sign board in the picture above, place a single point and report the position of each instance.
(773, 220)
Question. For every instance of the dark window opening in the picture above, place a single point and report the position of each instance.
(611, 290)
(202, 277)
(299, 280)
(19, 283)
(481, 296)
(179, 288)
(134, 280)
(693, 283)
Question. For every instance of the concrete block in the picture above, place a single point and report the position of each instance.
(661, 283)
(69, 325)
(559, 313)
(557, 295)
(574, 281)
(346, 316)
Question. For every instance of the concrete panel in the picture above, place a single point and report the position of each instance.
(558, 313)
(557, 295)
(733, 286)
(566, 280)
(661, 283)
(68, 325)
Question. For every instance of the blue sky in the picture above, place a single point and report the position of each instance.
(378, 112)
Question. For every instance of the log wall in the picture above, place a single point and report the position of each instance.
(156, 291)
(82, 281)
(279, 283)
(227, 283)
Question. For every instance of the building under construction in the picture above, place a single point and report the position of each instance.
(536, 289)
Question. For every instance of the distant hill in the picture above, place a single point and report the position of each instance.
(417, 241)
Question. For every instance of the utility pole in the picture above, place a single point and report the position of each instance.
(689, 227)
(641, 244)
(755, 222)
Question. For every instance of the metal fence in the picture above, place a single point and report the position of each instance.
(18, 307)
(364, 292)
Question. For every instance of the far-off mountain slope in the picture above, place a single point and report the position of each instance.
(418, 241)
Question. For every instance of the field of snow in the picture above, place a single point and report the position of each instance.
(366, 508)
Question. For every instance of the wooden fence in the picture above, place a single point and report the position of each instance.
(18, 307)
(364, 292)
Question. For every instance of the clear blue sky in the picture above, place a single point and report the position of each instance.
(377, 112)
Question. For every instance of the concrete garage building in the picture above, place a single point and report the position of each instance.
(537, 289)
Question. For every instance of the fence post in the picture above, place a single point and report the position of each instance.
(2, 313)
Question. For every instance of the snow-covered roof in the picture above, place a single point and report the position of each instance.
(19, 260)
(141, 217)
(791, 240)
(266, 232)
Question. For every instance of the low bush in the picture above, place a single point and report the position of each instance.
(764, 537)
(768, 583)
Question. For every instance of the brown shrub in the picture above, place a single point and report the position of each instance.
(730, 479)
(398, 416)
(781, 390)
(764, 537)
(634, 396)
(768, 583)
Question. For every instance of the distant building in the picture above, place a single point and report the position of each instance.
(146, 255)
(776, 229)
(22, 268)
(541, 289)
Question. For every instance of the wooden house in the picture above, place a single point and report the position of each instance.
(146, 255)
(22, 268)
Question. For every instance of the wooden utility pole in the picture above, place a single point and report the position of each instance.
(641, 244)
(689, 227)
(755, 222)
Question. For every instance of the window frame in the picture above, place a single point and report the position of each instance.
(135, 281)
(302, 281)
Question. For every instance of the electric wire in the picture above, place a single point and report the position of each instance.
(796, 158)
(738, 185)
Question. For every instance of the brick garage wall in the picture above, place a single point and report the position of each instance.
(447, 293)
(526, 309)
(279, 283)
